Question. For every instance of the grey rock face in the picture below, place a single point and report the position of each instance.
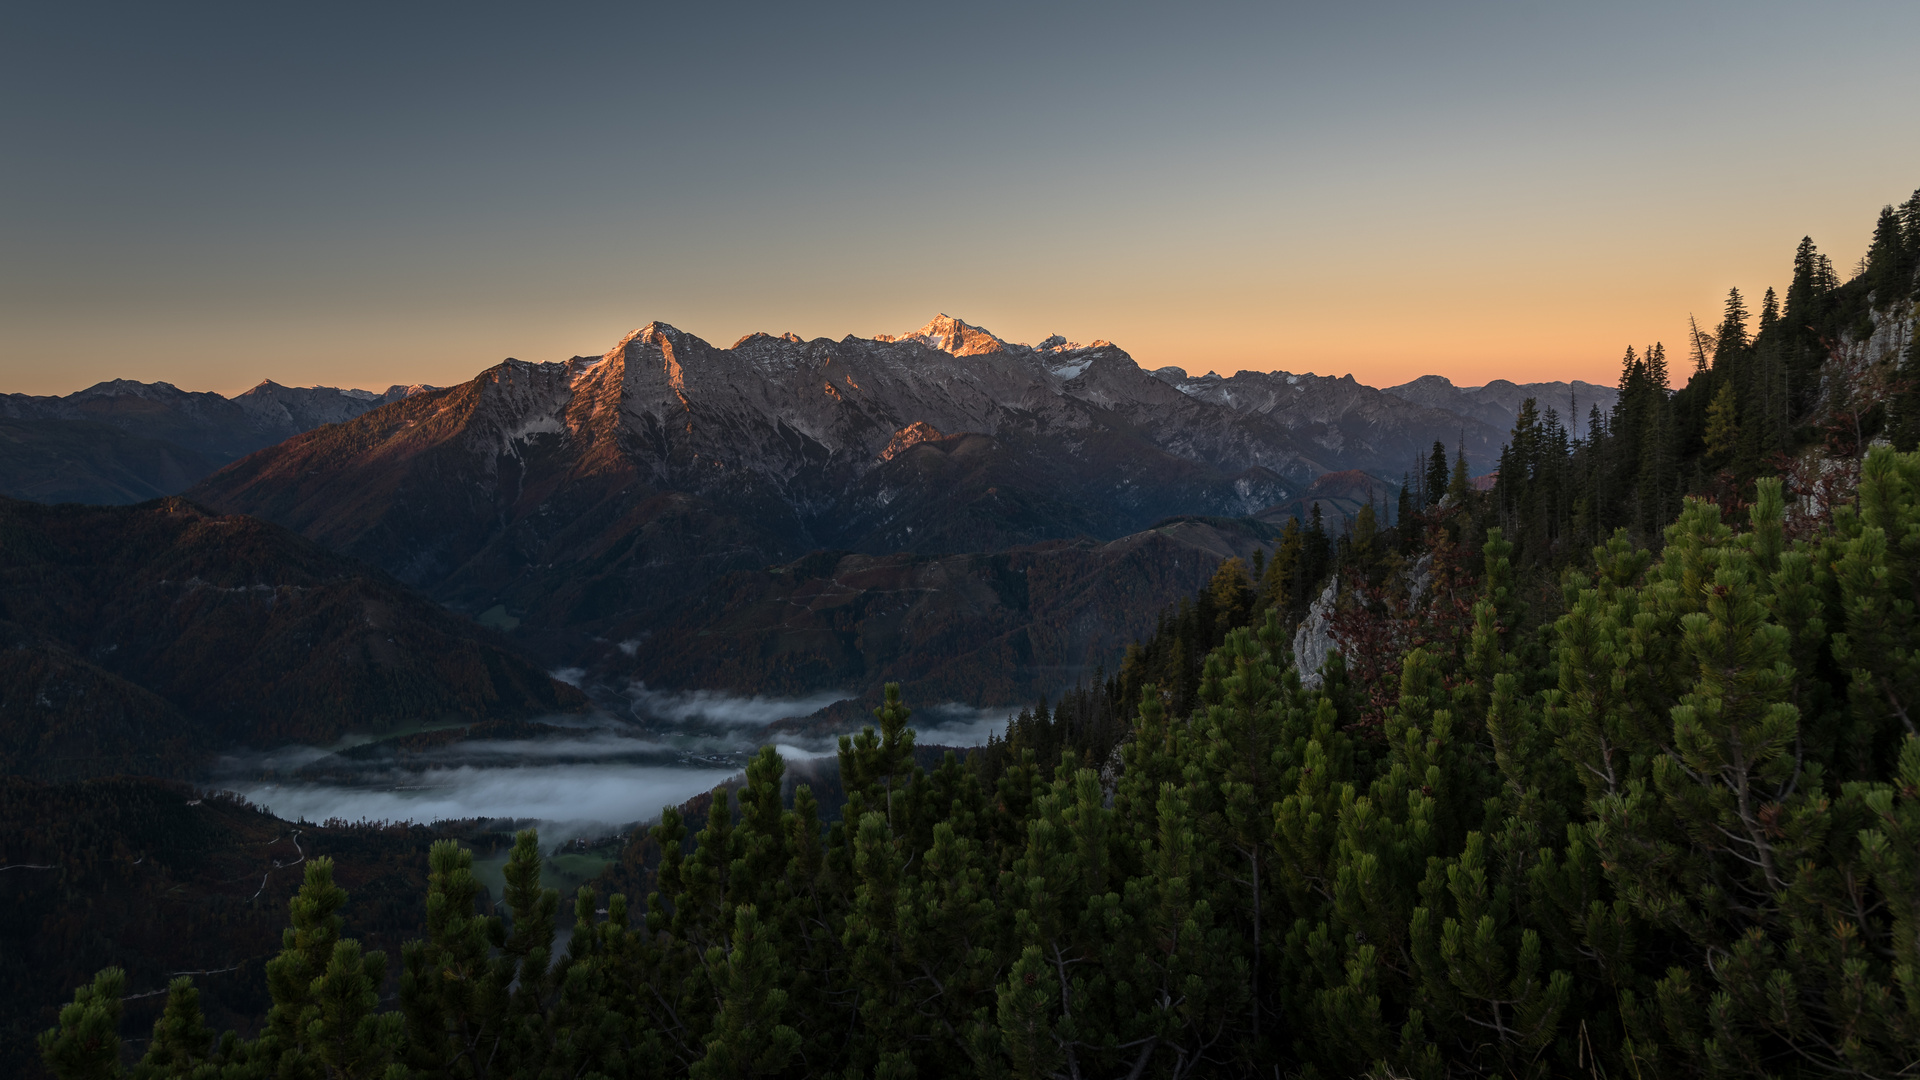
(1313, 639)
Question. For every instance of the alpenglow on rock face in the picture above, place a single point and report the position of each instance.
(578, 491)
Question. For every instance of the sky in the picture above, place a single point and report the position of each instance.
(362, 195)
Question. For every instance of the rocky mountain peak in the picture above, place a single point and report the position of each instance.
(953, 336)
(111, 388)
(654, 333)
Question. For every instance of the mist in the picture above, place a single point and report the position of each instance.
(720, 707)
(954, 724)
(576, 795)
(588, 780)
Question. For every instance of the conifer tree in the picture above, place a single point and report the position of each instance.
(1657, 376)
(1232, 592)
(349, 1039)
(181, 1043)
(750, 1037)
(453, 991)
(1910, 225)
(528, 949)
(1723, 425)
(1890, 264)
(306, 951)
(1279, 588)
(875, 767)
(86, 1045)
(1436, 473)
(1731, 342)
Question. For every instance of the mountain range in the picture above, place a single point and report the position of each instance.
(779, 515)
(123, 441)
(575, 494)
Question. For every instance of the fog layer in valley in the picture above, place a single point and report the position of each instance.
(587, 779)
(576, 795)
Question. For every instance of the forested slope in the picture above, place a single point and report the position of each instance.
(155, 878)
(1673, 832)
(141, 639)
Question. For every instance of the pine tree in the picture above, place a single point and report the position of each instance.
(1657, 367)
(1731, 342)
(1232, 592)
(1890, 264)
(181, 1043)
(1723, 426)
(876, 766)
(528, 948)
(307, 948)
(1238, 739)
(347, 1037)
(1436, 486)
(453, 991)
(1805, 293)
(750, 1037)
(1477, 963)
(86, 1045)
(1910, 225)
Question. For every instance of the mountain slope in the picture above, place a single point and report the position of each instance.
(980, 629)
(571, 495)
(123, 442)
(198, 632)
(54, 461)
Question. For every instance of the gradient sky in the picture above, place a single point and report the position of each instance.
(364, 195)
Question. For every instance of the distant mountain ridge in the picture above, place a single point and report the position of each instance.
(575, 493)
(1498, 403)
(123, 441)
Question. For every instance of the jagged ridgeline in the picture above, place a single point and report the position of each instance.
(1596, 780)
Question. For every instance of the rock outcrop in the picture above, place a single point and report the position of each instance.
(1313, 639)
